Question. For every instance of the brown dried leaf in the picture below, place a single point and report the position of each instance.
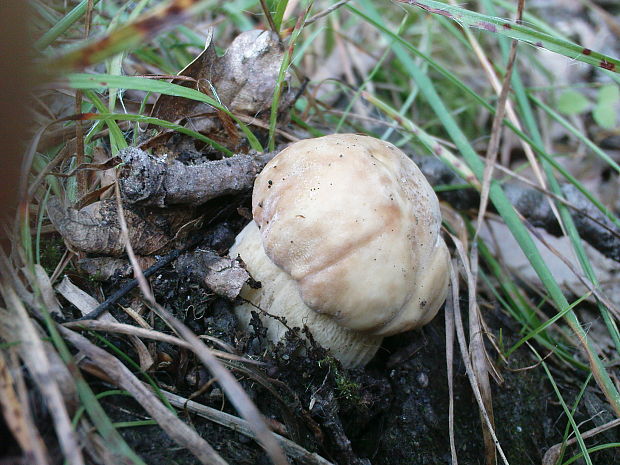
(243, 80)
(95, 228)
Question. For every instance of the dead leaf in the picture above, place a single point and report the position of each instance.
(95, 228)
(243, 80)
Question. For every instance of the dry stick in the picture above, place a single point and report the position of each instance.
(557, 198)
(150, 181)
(238, 397)
(193, 185)
(293, 449)
(586, 282)
(131, 330)
(130, 285)
(267, 13)
(593, 226)
(476, 342)
(179, 431)
(449, 322)
(325, 12)
(464, 351)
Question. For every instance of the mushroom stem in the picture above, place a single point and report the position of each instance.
(279, 298)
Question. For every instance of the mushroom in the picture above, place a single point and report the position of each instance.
(345, 241)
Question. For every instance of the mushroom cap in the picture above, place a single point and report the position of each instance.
(353, 221)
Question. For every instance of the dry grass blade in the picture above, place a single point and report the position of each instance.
(480, 362)
(121, 376)
(86, 304)
(44, 286)
(554, 452)
(16, 326)
(602, 298)
(477, 351)
(460, 332)
(17, 414)
(449, 318)
(125, 37)
(227, 381)
(493, 147)
(134, 331)
(294, 450)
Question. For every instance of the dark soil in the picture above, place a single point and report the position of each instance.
(393, 412)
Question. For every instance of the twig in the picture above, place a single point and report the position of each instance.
(147, 180)
(293, 449)
(325, 12)
(121, 328)
(129, 286)
(553, 453)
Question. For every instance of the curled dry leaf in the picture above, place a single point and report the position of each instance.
(243, 80)
(95, 228)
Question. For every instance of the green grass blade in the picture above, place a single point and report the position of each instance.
(98, 81)
(279, 14)
(406, 59)
(592, 449)
(286, 61)
(568, 413)
(546, 324)
(157, 122)
(523, 99)
(575, 132)
(65, 23)
(128, 36)
(518, 32)
(117, 138)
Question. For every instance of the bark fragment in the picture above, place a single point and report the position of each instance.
(243, 80)
(147, 180)
(223, 275)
